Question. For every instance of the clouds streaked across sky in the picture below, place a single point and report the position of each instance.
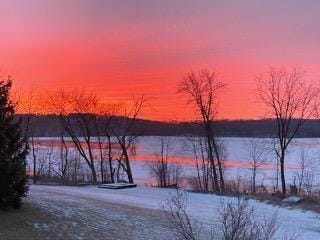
(132, 47)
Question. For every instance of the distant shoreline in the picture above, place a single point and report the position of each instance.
(48, 126)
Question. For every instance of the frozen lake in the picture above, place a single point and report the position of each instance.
(237, 159)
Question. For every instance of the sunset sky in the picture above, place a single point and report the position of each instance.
(126, 48)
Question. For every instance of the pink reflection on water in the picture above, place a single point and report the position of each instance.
(69, 143)
(153, 157)
(228, 163)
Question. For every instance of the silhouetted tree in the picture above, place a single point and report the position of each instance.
(256, 149)
(28, 103)
(202, 89)
(126, 137)
(78, 112)
(166, 172)
(290, 99)
(198, 148)
(13, 152)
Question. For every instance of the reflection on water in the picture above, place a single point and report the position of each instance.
(145, 155)
(69, 143)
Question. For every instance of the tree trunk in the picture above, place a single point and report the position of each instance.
(211, 145)
(254, 180)
(34, 161)
(277, 177)
(283, 180)
(128, 167)
(219, 164)
(101, 170)
(110, 159)
(211, 159)
(94, 174)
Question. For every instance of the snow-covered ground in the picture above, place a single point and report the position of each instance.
(200, 206)
(53, 213)
(93, 204)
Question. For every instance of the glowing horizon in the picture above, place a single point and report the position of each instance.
(121, 49)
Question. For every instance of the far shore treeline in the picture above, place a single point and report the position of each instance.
(48, 126)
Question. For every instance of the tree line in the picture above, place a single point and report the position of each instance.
(47, 125)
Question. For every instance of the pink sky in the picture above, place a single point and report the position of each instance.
(126, 48)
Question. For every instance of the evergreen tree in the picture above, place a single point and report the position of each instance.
(13, 152)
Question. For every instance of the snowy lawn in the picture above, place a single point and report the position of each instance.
(139, 215)
(48, 214)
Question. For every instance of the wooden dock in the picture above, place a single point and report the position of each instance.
(117, 185)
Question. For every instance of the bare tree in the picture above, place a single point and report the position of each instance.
(199, 150)
(166, 172)
(79, 123)
(92, 124)
(236, 221)
(202, 89)
(290, 99)
(102, 128)
(124, 131)
(28, 103)
(233, 221)
(78, 113)
(301, 171)
(306, 172)
(63, 160)
(75, 167)
(176, 212)
(256, 149)
(310, 177)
